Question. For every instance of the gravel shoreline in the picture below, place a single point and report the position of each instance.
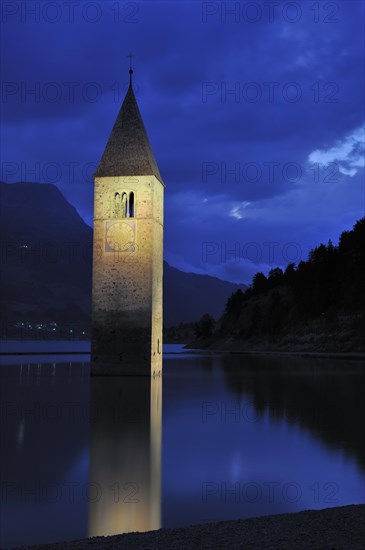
(332, 528)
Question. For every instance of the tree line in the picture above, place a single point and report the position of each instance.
(328, 288)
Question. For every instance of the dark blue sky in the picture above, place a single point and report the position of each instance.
(255, 112)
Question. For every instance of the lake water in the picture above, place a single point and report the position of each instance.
(218, 437)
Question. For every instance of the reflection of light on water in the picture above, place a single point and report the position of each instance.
(125, 454)
(39, 373)
(155, 450)
(20, 434)
(236, 467)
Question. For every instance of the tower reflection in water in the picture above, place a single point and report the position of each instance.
(125, 454)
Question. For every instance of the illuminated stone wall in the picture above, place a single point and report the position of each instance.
(127, 277)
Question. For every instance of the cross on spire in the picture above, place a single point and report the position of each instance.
(130, 55)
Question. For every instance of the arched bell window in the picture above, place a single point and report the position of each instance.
(116, 205)
(131, 205)
(124, 205)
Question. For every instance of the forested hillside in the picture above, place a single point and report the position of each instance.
(317, 304)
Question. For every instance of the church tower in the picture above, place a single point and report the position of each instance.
(128, 251)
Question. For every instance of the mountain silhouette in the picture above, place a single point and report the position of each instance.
(46, 265)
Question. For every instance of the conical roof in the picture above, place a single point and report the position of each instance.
(128, 151)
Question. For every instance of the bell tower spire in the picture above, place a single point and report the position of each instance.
(130, 55)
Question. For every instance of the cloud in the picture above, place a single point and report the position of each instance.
(238, 211)
(348, 153)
